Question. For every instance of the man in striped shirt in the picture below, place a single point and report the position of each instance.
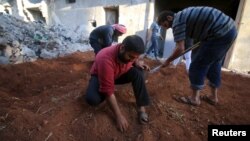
(216, 33)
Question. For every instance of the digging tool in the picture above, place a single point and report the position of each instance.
(187, 50)
(155, 69)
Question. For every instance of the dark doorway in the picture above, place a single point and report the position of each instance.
(112, 14)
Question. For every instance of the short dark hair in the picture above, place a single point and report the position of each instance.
(163, 16)
(134, 43)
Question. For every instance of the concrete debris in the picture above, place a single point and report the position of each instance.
(24, 42)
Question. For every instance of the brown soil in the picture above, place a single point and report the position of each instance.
(43, 101)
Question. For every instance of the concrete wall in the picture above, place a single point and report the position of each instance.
(135, 14)
(240, 56)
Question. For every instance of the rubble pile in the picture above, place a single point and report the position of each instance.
(23, 42)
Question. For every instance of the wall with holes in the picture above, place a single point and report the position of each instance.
(135, 14)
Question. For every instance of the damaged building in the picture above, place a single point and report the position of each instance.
(82, 16)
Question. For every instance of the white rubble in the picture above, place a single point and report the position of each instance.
(24, 42)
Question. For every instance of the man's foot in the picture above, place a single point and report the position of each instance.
(209, 100)
(142, 117)
(187, 100)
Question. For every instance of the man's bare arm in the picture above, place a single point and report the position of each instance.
(180, 48)
(121, 120)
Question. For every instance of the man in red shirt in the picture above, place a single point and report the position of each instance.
(118, 64)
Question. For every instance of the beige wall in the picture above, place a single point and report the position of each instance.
(134, 14)
(137, 15)
(240, 57)
(136, 19)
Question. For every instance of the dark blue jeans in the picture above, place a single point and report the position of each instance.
(207, 61)
(95, 45)
(134, 75)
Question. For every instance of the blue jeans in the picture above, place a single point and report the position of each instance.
(208, 59)
(95, 45)
(154, 46)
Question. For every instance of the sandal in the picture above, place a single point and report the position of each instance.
(208, 100)
(143, 117)
(186, 100)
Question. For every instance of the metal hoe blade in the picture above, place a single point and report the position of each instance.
(155, 69)
(191, 48)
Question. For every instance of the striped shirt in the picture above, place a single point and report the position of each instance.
(201, 23)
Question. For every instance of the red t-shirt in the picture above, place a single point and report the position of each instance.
(108, 68)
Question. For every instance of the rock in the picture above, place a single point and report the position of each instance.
(4, 60)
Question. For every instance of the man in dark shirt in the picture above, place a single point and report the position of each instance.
(103, 36)
(216, 33)
(118, 64)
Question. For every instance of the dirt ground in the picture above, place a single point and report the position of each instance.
(43, 101)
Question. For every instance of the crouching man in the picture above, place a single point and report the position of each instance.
(118, 64)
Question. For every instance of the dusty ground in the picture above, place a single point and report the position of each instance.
(42, 101)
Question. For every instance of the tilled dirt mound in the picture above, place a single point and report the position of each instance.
(43, 101)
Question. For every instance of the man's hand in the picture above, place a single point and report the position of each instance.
(122, 123)
(142, 65)
(120, 119)
(166, 63)
(145, 67)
